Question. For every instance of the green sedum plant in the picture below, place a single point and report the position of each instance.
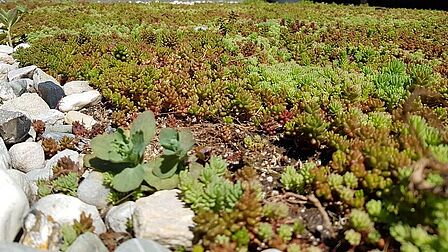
(392, 83)
(206, 187)
(122, 154)
(296, 181)
(66, 184)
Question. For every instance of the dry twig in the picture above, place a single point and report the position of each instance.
(327, 222)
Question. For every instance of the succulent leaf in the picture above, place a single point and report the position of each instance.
(146, 124)
(128, 179)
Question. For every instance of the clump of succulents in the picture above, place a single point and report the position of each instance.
(207, 188)
(121, 154)
(297, 181)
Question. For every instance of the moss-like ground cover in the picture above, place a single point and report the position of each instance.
(365, 88)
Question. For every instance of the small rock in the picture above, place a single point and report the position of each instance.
(4, 69)
(21, 45)
(27, 156)
(271, 250)
(13, 208)
(118, 216)
(14, 126)
(6, 92)
(79, 101)
(22, 180)
(5, 160)
(39, 174)
(141, 245)
(75, 116)
(76, 87)
(40, 76)
(30, 104)
(51, 117)
(162, 217)
(87, 242)
(92, 190)
(201, 28)
(58, 128)
(19, 86)
(6, 58)
(50, 92)
(65, 209)
(16, 247)
(24, 72)
(6, 49)
(41, 232)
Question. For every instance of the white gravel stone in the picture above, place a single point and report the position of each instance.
(141, 245)
(19, 73)
(73, 116)
(163, 217)
(6, 92)
(79, 101)
(40, 76)
(118, 216)
(22, 180)
(29, 104)
(6, 49)
(39, 232)
(5, 67)
(92, 190)
(16, 247)
(65, 209)
(51, 117)
(6, 58)
(27, 156)
(13, 207)
(5, 160)
(76, 87)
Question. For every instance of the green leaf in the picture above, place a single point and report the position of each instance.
(13, 17)
(186, 141)
(195, 170)
(138, 146)
(129, 179)
(165, 166)
(169, 139)
(145, 123)
(162, 184)
(111, 147)
(4, 17)
(92, 161)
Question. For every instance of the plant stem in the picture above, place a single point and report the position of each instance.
(8, 33)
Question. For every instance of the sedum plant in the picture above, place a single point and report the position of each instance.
(121, 154)
(66, 184)
(296, 181)
(206, 188)
(392, 83)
